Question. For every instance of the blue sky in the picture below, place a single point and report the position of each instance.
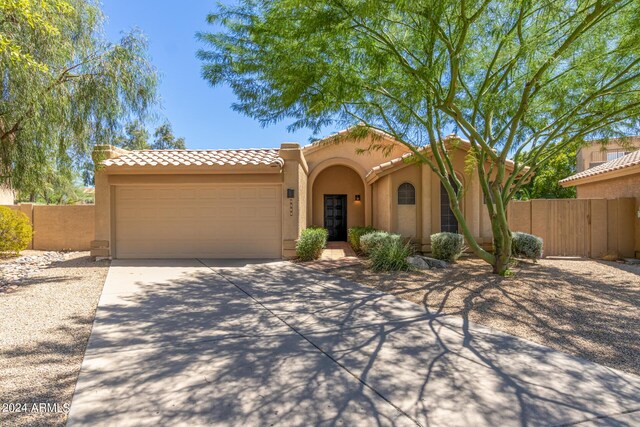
(200, 113)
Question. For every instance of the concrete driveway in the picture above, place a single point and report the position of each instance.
(237, 343)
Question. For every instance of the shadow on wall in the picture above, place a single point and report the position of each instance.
(197, 349)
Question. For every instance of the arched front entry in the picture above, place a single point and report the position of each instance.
(338, 200)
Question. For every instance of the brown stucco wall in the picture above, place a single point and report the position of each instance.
(406, 218)
(60, 228)
(6, 195)
(316, 154)
(63, 227)
(597, 153)
(382, 203)
(339, 180)
(427, 209)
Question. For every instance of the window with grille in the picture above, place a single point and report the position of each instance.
(448, 221)
(406, 194)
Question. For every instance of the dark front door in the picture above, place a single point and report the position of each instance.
(335, 216)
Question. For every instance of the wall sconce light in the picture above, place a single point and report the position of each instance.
(357, 199)
(291, 193)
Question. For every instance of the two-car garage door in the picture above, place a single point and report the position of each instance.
(198, 221)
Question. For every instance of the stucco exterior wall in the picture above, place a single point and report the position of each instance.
(625, 186)
(382, 203)
(339, 180)
(596, 153)
(406, 217)
(7, 196)
(427, 210)
(315, 155)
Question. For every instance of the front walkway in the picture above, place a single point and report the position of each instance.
(202, 343)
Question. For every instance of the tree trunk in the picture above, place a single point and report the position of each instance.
(501, 245)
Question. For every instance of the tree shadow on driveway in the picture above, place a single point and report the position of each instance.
(283, 344)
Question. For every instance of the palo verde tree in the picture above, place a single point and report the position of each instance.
(516, 78)
(64, 88)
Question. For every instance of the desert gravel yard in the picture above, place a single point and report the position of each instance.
(584, 307)
(46, 322)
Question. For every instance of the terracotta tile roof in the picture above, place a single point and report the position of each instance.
(391, 163)
(242, 157)
(623, 162)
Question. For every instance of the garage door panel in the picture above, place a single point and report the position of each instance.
(198, 221)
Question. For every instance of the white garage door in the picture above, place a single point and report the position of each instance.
(203, 221)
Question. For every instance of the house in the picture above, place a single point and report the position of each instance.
(7, 195)
(595, 154)
(253, 203)
(610, 180)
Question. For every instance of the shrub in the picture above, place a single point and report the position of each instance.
(311, 242)
(391, 254)
(355, 233)
(370, 241)
(447, 246)
(526, 245)
(15, 231)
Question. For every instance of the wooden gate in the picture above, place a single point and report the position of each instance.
(578, 227)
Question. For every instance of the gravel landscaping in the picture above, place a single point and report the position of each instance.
(46, 321)
(584, 307)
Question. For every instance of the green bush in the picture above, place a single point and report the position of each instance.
(526, 245)
(15, 231)
(447, 246)
(391, 254)
(355, 233)
(311, 242)
(370, 241)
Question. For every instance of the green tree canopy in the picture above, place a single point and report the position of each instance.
(517, 78)
(135, 137)
(544, 184)
(164, 139)
(64, 88)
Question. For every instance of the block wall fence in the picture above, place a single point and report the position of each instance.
(59, 228)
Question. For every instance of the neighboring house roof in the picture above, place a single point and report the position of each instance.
(605, 170)
(242, 157)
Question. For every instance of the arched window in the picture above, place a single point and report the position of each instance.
(406, 194)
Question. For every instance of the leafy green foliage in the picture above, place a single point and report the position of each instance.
(527, 245)
(164, 139)
(135, 137)
(447, 246)
(59, 186)
(15, 231)
(65, 88)
(355, 233)
(514, 77)
(390, 255)
(370, 241)
(311, 243)
(544, 184)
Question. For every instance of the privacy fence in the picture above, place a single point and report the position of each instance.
(580, 227)
(56, 228)
(569, 227)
